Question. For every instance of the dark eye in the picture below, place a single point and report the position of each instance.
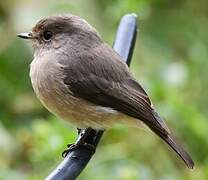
(47, 35)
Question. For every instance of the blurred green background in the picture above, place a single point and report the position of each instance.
(170, 61)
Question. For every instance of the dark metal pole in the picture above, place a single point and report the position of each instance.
(126, 37)
(75, 161)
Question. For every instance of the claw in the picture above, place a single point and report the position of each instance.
(73, 147)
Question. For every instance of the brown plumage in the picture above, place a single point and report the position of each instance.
(81, 79)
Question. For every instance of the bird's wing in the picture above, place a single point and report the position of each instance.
(103, 79)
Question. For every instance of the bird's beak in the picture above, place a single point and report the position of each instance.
(27, 35)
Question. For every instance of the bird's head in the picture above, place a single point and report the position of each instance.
(55, 31)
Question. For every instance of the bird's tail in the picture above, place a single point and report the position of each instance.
(178, 149)
(165, 135)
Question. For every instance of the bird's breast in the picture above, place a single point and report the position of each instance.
(47, 81)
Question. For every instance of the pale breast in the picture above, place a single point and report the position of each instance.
(47, 81)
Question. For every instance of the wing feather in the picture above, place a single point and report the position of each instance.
(107, 82)
(103, 79)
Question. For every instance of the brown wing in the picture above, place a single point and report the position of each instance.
(103, 79)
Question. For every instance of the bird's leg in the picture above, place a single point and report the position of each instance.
(83, 134)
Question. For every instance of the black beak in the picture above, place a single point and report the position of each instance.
(27, 35)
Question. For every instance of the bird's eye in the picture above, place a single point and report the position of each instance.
(47, 35)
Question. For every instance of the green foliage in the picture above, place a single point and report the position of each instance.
(170, 61)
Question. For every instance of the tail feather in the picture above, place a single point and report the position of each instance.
(177, 148)
(164, 133)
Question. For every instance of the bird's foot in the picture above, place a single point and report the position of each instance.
(73, 147)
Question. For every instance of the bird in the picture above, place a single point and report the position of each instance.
(82, 80)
